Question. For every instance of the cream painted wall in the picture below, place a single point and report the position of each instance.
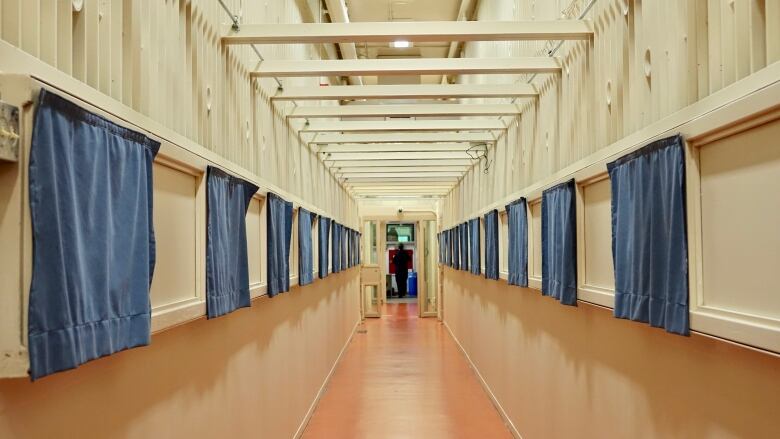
(252, 373)
(565, 372)
(648, 59)
(164, 60)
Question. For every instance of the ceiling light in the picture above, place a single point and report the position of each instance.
(401, 44)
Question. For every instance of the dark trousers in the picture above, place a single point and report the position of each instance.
(401, 282)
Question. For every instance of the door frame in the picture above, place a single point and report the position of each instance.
(406, 217)
(370, 274)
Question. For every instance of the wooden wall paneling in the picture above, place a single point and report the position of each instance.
(714, 39)
(116, 56)
(104, 46)
(79, 43)
(92, 23)
(64, 38)
(772, 10)
(728, 40)
(742, 37)
(758, 35)
(701, 30)
(47, 32)
(30, 10)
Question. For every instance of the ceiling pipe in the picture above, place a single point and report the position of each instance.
(337, 10)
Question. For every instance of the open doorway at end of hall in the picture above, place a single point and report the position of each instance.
(390, 243)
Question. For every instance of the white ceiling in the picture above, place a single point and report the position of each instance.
(383, 151)
(403, 10)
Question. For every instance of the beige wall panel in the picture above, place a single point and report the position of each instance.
(165, 60)
(740, 213)
(599, 271)
(564, 372)
(175, 214)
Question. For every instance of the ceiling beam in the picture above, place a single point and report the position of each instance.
(406, 66)
(412, 91)
(334, 138)
(403, 174)
(408, 110)
(400, 169)
(391, 180)
(357, 126)
(399, 184)
(432, 155)
(413, 31)
(392, 192)
(394, 147)
(399, 163)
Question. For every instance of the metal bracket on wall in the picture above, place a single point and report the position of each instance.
(9, 132)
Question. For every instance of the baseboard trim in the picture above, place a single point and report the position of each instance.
(488, 390)
(313, 406)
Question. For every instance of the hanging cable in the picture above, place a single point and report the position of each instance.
(479, 151)
(237, 27)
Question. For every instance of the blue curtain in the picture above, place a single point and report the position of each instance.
(324, 239)
(355, 248)
(491, 244)
(474, 241)
(559, 243)
(348, 245)
(350, 248)
(305, 247)
(649, 238)
(464, 246)
(335, 247)
(447, 249)
(455, 247)
(344, 241)
(279, 231)
(440, 247)
(518, 243)
(227, 270)
(90, 184)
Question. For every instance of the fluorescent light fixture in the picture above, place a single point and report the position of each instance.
(401, 44)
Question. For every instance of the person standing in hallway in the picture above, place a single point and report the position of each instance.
(400, 261)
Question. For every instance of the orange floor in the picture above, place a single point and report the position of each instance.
(404, 378)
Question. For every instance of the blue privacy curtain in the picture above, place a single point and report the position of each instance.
(324, 239)
(90, 184)
(357, 247)
(559, 243)
(491, 244)
(344, 240)
(227, 270)
(440, 246)
(464, 246)
(305, 247)
(474, 241)
(455, 247)
(649, 239)
(518, 243)
(348, 244)
(279, 231)
(445, 235)
(350, 248)
(335, 247)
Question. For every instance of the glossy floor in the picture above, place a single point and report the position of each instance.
(404, 378)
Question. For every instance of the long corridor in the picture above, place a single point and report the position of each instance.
(404, 378)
